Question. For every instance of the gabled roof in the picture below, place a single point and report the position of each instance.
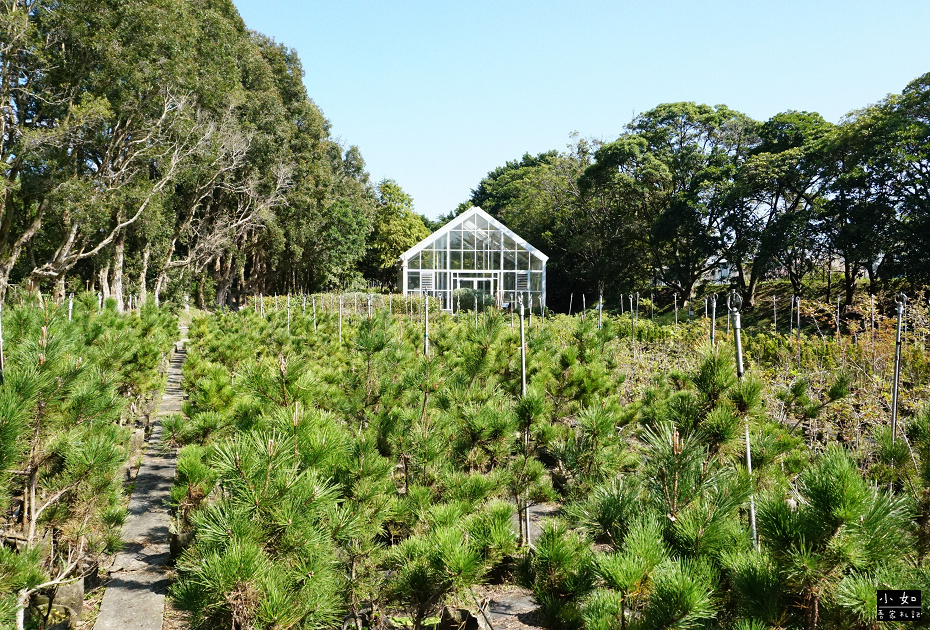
(463, 219)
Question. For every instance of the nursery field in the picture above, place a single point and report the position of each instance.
(333, 472)
(77, 388)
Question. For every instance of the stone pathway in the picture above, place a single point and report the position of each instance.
(135, 595)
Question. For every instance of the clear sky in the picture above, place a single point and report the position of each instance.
(438, 93)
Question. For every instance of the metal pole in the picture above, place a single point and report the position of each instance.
(369, 306)
(340, 319)
(304, 305)
(901, 301)
(734, 302)
(261, 300)
(476, 311)
(70, 306)
(426, 325)
(584, 306)
(675, 297)
(713, 320)
(522, 351)
(571, 297)
(798, 308)
(632, 322)
(288, 313)
(600, 311)
(637, 305)
(705, 308)
(526, 436)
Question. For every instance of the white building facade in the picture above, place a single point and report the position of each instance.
(477, 252)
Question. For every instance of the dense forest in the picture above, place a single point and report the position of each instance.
(689, 186)
(161, 149)
(160, 146)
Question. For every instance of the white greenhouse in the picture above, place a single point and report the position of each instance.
(475, 251)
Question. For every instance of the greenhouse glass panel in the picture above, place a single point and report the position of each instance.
(455, 239)
(468, 240)
(509, 281)
(455, 260)
(510, 260)
(523, 260)
(535, 282)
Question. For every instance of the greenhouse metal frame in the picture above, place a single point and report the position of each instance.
(475, 251)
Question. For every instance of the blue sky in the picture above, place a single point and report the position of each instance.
(436, 94)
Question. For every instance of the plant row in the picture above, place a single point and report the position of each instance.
(73, 386)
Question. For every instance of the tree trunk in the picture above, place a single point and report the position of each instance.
(60, 288)
(104, 276)
(119, 255)
(224, 279)
(143, 290)
(850, 272)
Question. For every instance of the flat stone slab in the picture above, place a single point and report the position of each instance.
(135, 595)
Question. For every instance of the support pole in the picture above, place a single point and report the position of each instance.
(675, 297)
(734, 302)
(340, 319)
(713, 320)
(798, 308)
(632, 326)
(70, 306)
(901, 302)
(526, 433)
(425, 325)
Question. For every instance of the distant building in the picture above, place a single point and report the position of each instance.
(475, 251)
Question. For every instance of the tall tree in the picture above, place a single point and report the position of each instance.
(774, 203)
(397, 228)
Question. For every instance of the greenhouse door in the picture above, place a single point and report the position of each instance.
(477, 282)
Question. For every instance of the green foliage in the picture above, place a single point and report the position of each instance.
(68, 390)
(404, 474)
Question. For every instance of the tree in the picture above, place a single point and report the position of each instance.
(397, 228)
(672, 169)
(776, 192)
